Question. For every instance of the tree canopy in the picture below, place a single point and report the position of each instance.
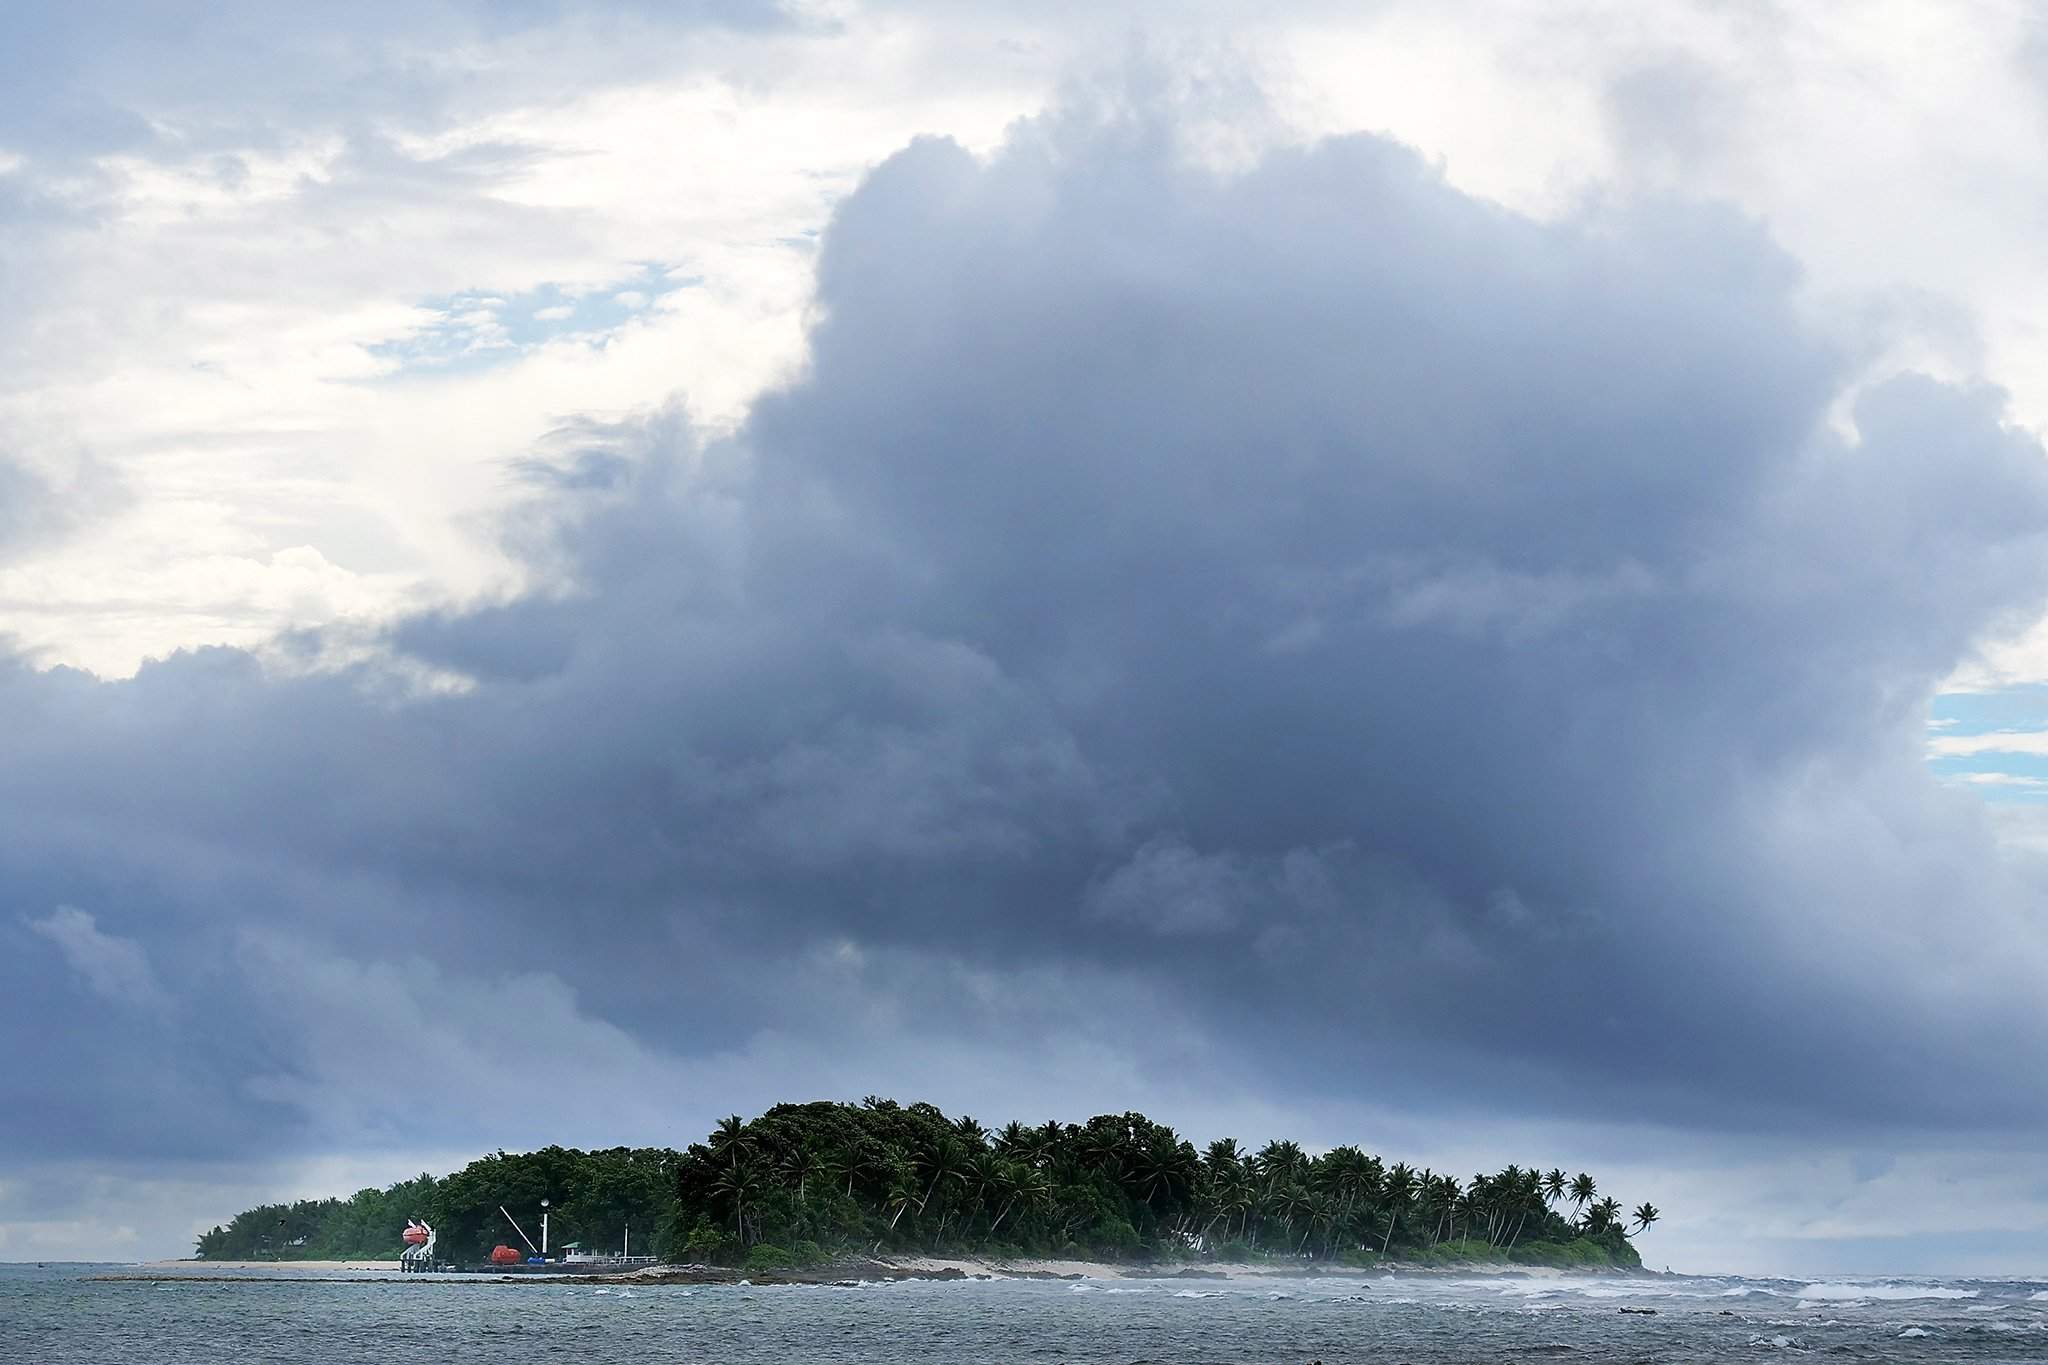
(805, 1181)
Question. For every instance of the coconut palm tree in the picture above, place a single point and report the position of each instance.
(946, 1161)
(1395, 1194)
(1645, 1214)
(1582, 1191)
(728, 1138)
(1223, 1155)
(1553, 1185)
(901, 1195)
(739, 1184)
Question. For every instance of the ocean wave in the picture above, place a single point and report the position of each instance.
(1916, 1332)
(1890, 1290)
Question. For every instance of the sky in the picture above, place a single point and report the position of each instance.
(1471, 580)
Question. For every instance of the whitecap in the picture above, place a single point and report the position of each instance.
(1885, 1290)
(1916, 1332)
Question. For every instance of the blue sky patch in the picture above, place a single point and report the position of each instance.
(1995, 743)
(475, 329)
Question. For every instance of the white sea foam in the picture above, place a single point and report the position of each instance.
(1890, 1290)
(1198, 1294)
(2038, 1296)
(1782, 1342)
(1916, 1332)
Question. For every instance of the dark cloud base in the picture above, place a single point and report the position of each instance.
(1394, 648)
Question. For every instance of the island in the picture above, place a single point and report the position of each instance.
(821, 1183)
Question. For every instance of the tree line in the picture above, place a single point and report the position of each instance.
(594, 1197)
(804, 1182)
(807, 1179)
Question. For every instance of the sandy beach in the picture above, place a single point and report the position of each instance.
(889, 1267)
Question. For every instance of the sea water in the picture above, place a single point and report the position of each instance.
(71, 1314)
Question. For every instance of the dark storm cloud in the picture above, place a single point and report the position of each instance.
(1309, 606)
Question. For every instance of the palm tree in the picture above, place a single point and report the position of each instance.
(984, 1177)
(1282, 1160)
(1013, 1180)
(1553, 1185)
(800, 1164)
(945, 1161)
(902, 1195)
(1582, 1190)
(1400, 1184)
(728, 1137)
(738, 1183)
(1529, 1197)
(1645, 1214)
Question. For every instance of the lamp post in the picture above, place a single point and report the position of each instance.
(543, 1227)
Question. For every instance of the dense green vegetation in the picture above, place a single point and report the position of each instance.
(805, 1181)
(594, 1197)
(881, 1176)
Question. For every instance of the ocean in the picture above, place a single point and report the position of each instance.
(67, 1314)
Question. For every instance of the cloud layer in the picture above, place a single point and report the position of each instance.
(1305, 622)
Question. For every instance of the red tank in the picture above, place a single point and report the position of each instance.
(504, 1255)
(415, 1236)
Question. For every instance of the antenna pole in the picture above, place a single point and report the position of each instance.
(520, 1230)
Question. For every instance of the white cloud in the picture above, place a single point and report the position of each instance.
(116, 969)
(211, 336)
(2033, 742)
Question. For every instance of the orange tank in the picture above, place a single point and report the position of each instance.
(504, 1255)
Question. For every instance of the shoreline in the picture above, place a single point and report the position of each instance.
(843, 1271)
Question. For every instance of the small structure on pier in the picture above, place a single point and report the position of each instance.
(419, 1247)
